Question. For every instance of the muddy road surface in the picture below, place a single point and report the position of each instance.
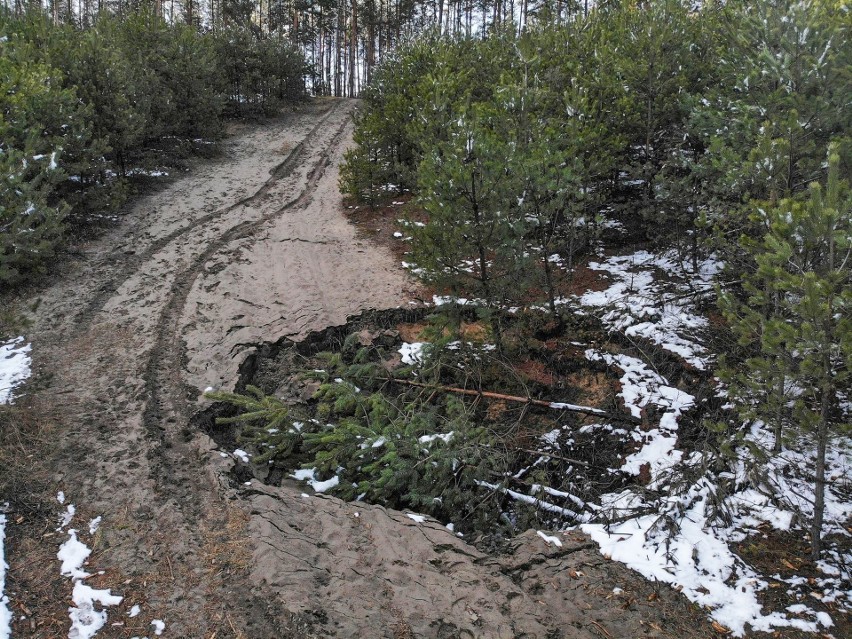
(246, 249)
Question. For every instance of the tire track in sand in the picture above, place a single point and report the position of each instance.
(129, 265)
(163, 368)
(111, 364)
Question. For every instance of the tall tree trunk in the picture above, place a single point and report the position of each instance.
(371, 36)
(484, 273)
(295, 23)
(353, 49)
(321, 62)
(778, 426)
(819, 471)
(338, 88)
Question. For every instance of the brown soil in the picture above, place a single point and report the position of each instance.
(584, 279)
(415, 331)
(246, 250)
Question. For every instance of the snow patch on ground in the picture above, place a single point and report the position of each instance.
(86, 618)
(441, 300)
(73, 553)
(67, 516)
(549, 539)
(791, 484)
(641, 387)
(15, 367)
(696, 559)
(681, 543)
(661, 312)
(444, 437)
(412, 353)
(308, 475)
(5, 613)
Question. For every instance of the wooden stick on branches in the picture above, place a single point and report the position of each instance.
(572, 408)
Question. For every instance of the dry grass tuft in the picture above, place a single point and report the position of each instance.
(227, 546)
(593, 388)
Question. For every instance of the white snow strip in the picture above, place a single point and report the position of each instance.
(242, 455)
(67, 516)
(680, 544)
(792, 484)
(308, 474)
(5, 613)
(328, 484)
(159, 626)
(660, 312)
(85, 619)
(697, 559)
(640, 386)
(538, 503)
(134, 611)
(585, 409)
(440, 300)
(73, 553)
(415, 518)
(444, 437)
(411, 353)
(549, 539)
(94, 525)
(60, 497)
(15, 363)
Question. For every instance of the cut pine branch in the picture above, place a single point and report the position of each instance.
(571, 408)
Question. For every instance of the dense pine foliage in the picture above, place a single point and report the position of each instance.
(81, 110)
(691, 113)
(708, 128)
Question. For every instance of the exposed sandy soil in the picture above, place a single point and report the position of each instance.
(248, 249)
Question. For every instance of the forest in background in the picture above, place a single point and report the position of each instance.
(724, 130)
(344, 41)
(85, 109)
(685, 396)
(138, 76)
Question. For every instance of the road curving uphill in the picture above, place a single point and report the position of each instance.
(247, 250)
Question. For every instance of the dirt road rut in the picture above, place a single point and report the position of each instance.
(247, 249)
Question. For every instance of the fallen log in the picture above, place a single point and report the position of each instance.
(571, 408)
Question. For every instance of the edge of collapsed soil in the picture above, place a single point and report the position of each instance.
(253, 606)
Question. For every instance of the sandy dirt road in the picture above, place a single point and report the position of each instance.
(249, 248)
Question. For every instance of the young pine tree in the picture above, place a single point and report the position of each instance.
(473, 240)
(38, 121)
(800, 310)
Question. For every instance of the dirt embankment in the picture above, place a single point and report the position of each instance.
(247, 249)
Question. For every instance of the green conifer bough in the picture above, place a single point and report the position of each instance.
(38, 119)
(799, 313)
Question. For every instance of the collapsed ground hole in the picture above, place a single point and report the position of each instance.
(445, 437)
